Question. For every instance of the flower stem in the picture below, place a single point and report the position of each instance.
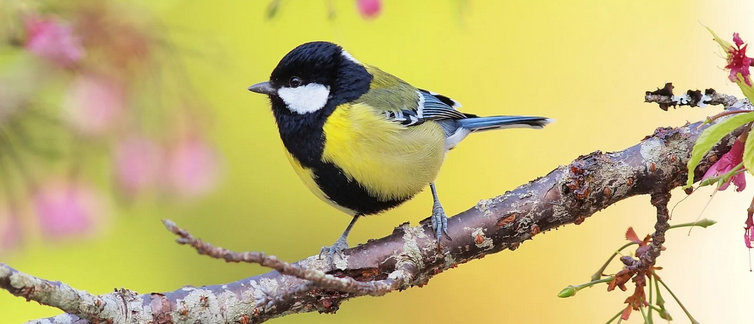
(649, 316)
(572, 290)
(660, 302)
(723, 114)
(647, 320)
(691, 318)
(597, 275)
(701, 223)
(614, 317)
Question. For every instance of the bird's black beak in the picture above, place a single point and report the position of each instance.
(263, 88)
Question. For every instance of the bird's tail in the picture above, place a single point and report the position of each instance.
(476, 124)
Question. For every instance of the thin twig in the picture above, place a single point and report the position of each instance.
(600, 272)
(319, 278)
(691, 318)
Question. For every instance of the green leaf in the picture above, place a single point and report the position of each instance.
(749, 153)
(745, 88)
(710, 137)
(725, 45)
(664, 314)
(661, 303)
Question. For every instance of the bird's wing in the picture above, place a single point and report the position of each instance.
(434, 106)
(424, 106)
(402, 103)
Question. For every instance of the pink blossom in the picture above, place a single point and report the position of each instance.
(10, 230)
(67, 209)
(369, 8)
(53, 40)
(93, 104)
(738, 62)
(749, 230)
(726, 163)
(737, 40)
(192, 166)
(136, 162)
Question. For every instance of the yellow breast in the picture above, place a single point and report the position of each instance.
(391, 161)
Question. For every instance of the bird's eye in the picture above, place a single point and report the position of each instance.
(295, 82)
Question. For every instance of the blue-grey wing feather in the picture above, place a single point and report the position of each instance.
(436, 107)
(406, 117)
(430, 106)
(442, 110)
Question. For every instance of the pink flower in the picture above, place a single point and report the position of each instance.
(10, 230)
(737, 40)
(192, 166)
(369, 8)
(67, 209)
(136, 162)
(93, 104)
(726, 163)
(749, 229)
(53, 40)
(738, 62)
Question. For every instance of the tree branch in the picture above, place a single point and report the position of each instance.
(694, 98)
(409, 256)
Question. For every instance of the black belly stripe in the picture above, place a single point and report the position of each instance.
(349, 193)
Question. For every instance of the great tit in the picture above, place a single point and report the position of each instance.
(363, 140)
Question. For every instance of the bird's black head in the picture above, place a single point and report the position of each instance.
(305, 87)
(313, 76)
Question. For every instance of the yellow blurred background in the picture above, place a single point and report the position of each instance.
(584, 63)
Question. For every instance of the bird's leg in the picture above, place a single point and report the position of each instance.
(439, 219)
(339, 245)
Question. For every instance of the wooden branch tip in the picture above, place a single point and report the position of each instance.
(665, 98)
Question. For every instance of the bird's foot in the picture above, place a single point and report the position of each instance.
(439, 221)
(336, 250)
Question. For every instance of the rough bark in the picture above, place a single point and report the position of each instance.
(408, 257)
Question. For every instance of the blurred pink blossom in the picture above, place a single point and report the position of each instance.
(136, 161)
(93, 104)
(10, 231)
(67, 209)
(369, 8)
(123, 38)
(192, 166)
(53, 40)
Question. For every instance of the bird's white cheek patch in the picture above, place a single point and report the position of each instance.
(305, 99)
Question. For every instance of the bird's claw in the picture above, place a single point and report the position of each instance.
(439, 221)
(335, 250)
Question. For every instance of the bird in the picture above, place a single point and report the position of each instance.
(362, 140)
